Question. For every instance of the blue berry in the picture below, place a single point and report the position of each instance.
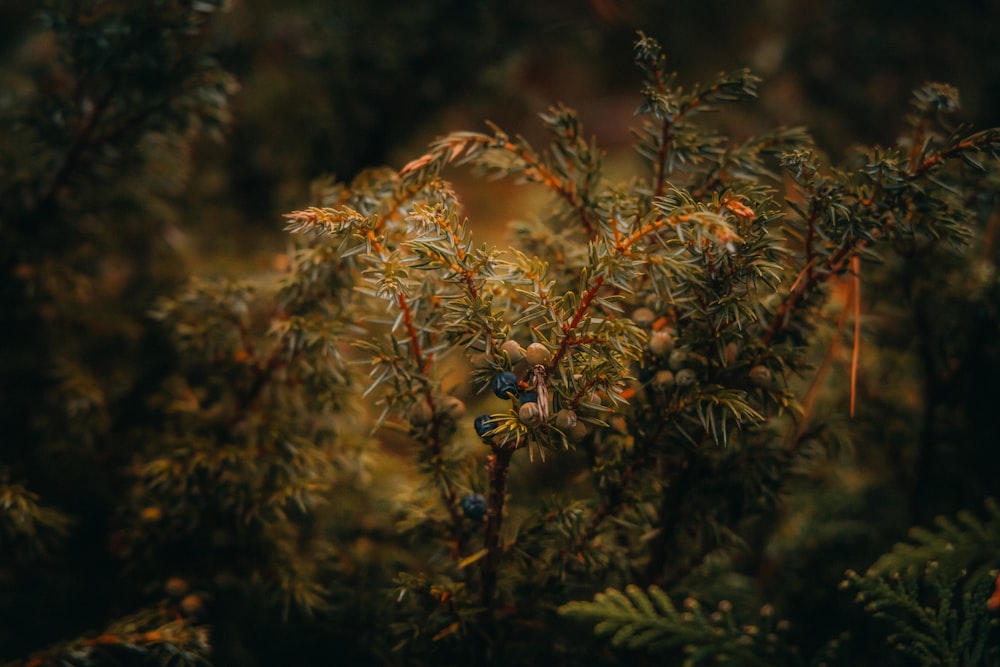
(504, 384)
(474, 506)
(528, 397)
(483, 426)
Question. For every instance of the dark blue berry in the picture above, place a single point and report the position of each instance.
(504, 384)
(482, 425)
(528, 397)
(474, 506)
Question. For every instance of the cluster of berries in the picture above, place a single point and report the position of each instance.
(531, 393)
(679, 372)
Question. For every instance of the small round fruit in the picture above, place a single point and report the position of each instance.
(530, 415)
(483, 425)
(663, 379)
(578, 432)
(453, 407)
(685, 377)
(474, 506)
(643, 317)
(537, 354)
(661, 342)
(513, 350)
(677, 359)
(565, 419)
(504, 384)
(421, 413)
(761, 376)
(528, 397)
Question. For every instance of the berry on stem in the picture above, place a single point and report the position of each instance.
(661, 342)
(664, 379)
(504, 384)
(761, 376)
(643, 317)
(565, 419)
(685, 377)
(453, 407)
(474, 506)
(537, 354)
(483, 425)
(513, 350)
(420, 413)
(530, 414)
(528, 397)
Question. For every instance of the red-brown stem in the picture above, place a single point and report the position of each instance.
(833, 264)
(411, 333)
(498, 466)
(624, 245)
(810, 233)
(435, 446)
(581, 311)
(545, 176)
(856, 297)
(661, 156)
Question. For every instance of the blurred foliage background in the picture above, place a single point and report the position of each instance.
(329, 88)
(333, 87)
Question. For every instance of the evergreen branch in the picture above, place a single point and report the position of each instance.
(964, 543)
(935, 590)
(151, 634)
(988, 140)
(26, 526)
(649, 621)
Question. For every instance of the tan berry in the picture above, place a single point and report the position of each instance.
(578, 432)
(677, 359)
(453, 407)
(663, 379)
(685, 377)
(421, 413)
(537, 354)
(643, 317)
(513, 350)
(566, 419)
(661, 342)
(530, 415)
(761, 376)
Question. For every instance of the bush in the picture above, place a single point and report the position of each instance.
(328, 464)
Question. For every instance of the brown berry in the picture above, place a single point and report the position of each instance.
(643, 317)
(661, 342)
(530, 414)
(513, 350)
(566, 419)
(453, 407)
(537, 354)
(761, 376)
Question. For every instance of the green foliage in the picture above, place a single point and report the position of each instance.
(933, 592)
(298, 447)
(649, 620)
(27, 527)
(157, 635)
